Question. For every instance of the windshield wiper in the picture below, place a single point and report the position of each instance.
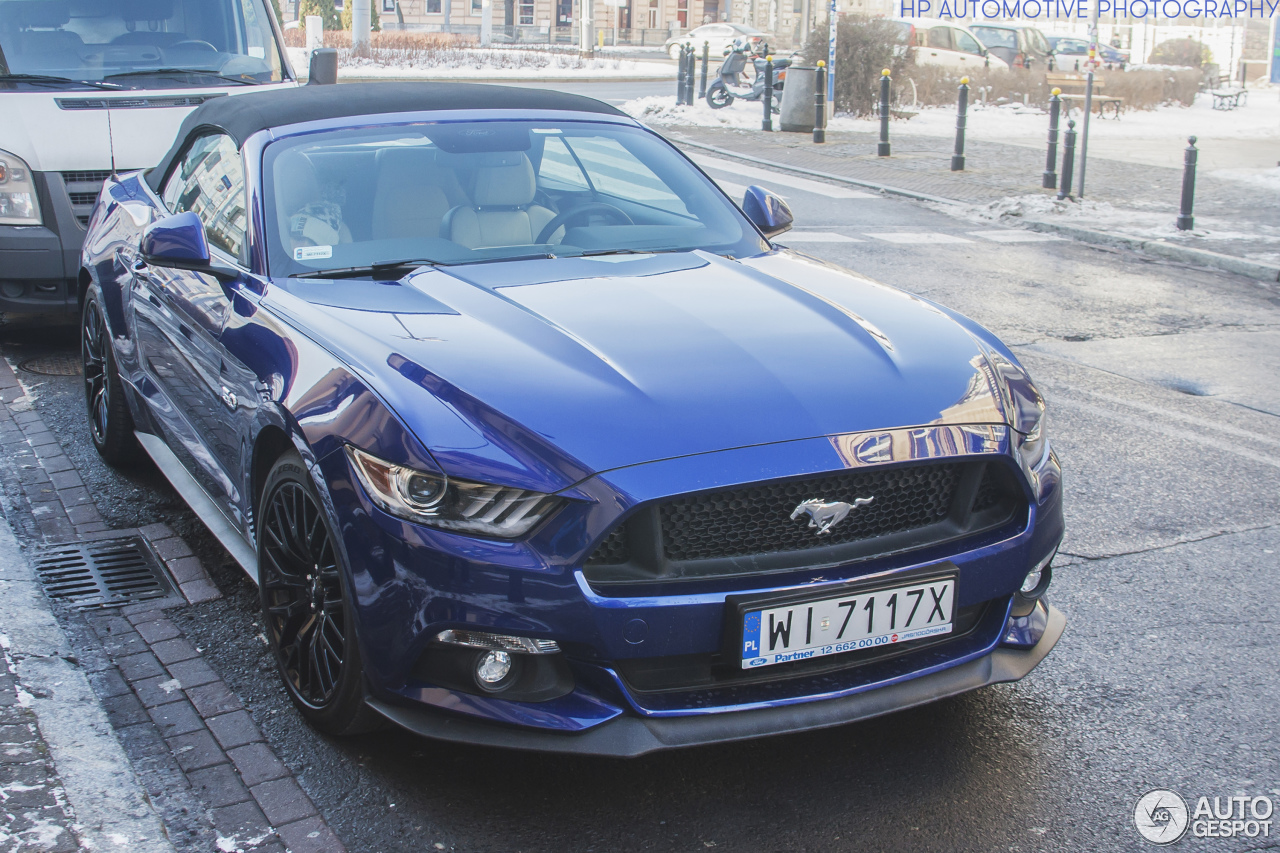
(595, 253)
(144, 72)
(532, 256)
(45, 78)
(370, 269)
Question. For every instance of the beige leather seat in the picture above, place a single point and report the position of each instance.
(502, 212)
(415, 188)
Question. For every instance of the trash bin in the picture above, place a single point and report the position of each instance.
(797, 100)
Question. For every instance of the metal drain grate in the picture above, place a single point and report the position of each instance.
(107, 573)
(52, 365)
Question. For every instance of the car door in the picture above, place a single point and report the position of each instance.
(968, 51)
(179, 319)
(938, 48)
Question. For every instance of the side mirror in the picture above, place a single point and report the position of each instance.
(767, 211)
(179, 242)
(324, 67)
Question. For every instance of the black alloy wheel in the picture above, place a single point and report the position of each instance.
(309, 623)
(110, 423)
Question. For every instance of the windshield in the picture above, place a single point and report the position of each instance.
(997, 37)
(466, 192)
(140, 43)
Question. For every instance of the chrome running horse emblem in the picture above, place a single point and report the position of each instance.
(824, 515)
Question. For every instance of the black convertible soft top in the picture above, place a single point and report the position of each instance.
(241, 116)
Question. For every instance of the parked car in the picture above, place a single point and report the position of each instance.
(1068, 49)
(63, 68)
(948, 44)
(720, 38)
(1020, 47)
(531, 437)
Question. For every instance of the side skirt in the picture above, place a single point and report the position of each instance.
(200, 502)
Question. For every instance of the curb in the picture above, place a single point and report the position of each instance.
(814, 173)
(1162, 249)
(1159, 248)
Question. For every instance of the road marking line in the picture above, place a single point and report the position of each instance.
(732, 190)
(745, 171)
(917, 237)
(1166, 430)
(1015, 236)
(816, 237)
(1200, 423)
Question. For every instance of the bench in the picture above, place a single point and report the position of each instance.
(1065, 81)
(1225, 95)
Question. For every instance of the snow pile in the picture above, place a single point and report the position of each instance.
(744, 115)
(1099, 216)
(1268, 179)
(474, 63)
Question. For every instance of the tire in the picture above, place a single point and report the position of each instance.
(110, 422)
(306, 607)
(718, 97)
(674, 50)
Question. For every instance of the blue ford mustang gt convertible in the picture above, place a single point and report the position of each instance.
(531, 437)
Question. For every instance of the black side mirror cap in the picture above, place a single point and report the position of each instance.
(324, 67)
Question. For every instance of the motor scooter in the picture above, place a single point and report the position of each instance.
(728, 85)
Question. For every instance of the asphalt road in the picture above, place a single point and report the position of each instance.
(1165, 410)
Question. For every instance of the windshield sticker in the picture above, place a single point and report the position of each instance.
(312, 253)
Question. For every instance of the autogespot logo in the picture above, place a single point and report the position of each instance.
(1161, 816)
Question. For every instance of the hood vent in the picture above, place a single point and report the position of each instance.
(135, 103)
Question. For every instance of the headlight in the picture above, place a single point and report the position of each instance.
(438, 501)
(18, 202)
(1026, 408)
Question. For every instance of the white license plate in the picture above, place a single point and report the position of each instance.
(846, 623)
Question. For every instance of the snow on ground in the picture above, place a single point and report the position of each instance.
(747, 115)
(1238, 139)
(491, 64)
(1101, 216)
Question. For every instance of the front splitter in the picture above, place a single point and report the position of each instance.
(630, 736)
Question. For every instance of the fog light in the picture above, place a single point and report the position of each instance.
(1032, 581)
(492, 669)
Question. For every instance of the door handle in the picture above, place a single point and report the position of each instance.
(229, 398)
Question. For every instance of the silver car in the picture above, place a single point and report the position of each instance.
(719, 38)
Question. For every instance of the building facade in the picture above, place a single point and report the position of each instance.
(551, 14)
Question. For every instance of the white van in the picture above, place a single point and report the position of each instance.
(81, 77)
(949, 44)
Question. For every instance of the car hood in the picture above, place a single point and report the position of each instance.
(546, 372)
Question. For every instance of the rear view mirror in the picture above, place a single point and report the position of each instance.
(767, 211)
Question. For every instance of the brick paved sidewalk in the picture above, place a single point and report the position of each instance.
(996, 171)
(180, 737)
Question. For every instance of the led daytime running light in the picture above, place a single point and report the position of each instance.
(497, 642)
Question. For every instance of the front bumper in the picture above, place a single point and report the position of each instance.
(628, 736)
(39, 263)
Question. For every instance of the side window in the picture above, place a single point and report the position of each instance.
(559, 170)
(940, 37)
(210, 183)
(966, 43)
(617, 172)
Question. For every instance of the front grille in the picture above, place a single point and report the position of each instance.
(757, 520)
(118, 103)
(750, 529)
(82, 192)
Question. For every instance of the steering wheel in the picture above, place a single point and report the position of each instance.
(198, 44)
(582, 210)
